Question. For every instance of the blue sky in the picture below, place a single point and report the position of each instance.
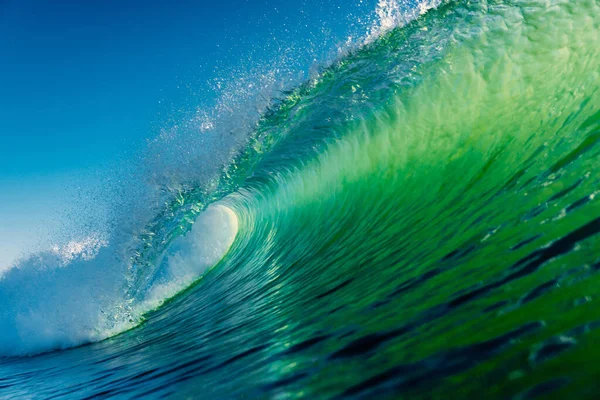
(83, 84)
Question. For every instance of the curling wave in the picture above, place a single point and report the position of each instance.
(420, 217)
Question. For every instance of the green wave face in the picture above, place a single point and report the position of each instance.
(430, 209)
(421, 220)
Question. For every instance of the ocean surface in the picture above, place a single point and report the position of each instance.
(419, 219)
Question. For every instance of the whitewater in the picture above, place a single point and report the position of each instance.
(418, 218)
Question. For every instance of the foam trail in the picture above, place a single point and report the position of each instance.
(60, 298)
(69, 295)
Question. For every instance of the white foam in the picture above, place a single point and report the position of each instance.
(395, 13)
(73, 294)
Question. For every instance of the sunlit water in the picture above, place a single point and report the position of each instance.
(421, 219)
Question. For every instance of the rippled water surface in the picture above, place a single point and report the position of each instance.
(420, 220)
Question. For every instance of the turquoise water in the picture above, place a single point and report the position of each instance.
(419, 220)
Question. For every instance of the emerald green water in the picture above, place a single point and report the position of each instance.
(420, 221)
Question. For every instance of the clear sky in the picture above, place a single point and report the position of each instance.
(83, 84)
